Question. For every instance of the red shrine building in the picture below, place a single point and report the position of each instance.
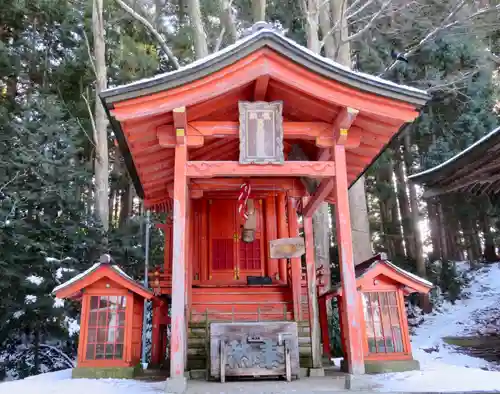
(214, 144)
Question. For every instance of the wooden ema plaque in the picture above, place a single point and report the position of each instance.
(261, 132)
(287, 248)
(254, 349)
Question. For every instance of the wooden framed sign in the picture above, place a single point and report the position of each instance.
(261, 132)
(287, 248)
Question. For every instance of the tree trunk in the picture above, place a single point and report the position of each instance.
(404, 204)
(259, 10)
(199, 37)
(445, 251)
(125, 205)
(312, 16)
(325, 26)
(415, 215)
(228, 21)
(384, 220)
(100, 120)
(434, 228)
(489, 254)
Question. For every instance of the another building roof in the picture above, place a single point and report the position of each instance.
(73, 287)
(475, 170)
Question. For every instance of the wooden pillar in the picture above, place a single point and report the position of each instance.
(271, 233)
(312, 292)
(323, 322)
(178, 334)
(156, 333)
(293, 229)
(282, 233)
(204, 241)
(350, 299)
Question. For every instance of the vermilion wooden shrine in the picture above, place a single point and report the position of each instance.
(189, 147)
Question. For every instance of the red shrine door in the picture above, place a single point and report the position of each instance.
(230, 259)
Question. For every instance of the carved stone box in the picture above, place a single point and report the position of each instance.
(254, 349)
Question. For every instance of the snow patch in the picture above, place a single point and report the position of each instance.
(30, 299)
(36, 280)
(73, 326)
(17, 314)
(58, 303)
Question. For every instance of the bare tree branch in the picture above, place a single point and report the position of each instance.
(446, 24)
(161, 40)
(218, 43)
(91, 58)
(92, 120)
(370, 23)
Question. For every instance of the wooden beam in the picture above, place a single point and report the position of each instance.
(260, 90)
(312, 293)
(296, 130)
(266, 184)
(180, 124)
(295, 263)
(350, 298)
(167, 137)
(271, 234)
(342, 123)
(213, 169)
(179, 260)
(322, 191)
(282, 232)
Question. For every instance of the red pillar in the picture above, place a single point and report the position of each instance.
(323, 322)
(282, 233)
(312, 293)
(350, 300)
(156, 334)
(271, 234)
(180, 228)
(293, 229)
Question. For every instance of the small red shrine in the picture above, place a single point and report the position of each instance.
(111, 320)
(213, 144)
(381, 287)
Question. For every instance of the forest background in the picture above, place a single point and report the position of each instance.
(66, 197)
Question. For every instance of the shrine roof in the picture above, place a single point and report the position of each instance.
(474, 170)
(74, 285)
(263, 66)
(279, 43)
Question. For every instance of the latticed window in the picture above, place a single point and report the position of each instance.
(106, 328)
(383, 323)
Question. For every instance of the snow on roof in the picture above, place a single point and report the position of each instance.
(254, 36)
(457, 156)
(92, 269)
(416, 278)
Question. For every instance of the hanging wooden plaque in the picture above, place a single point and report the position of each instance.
(261, 132)
(286, 248)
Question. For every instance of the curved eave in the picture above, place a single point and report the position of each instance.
(473, 152)
(280, 44)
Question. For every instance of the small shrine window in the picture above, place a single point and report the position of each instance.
(383, 322)
(106, 328)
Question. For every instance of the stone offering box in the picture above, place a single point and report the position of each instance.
(254, 349)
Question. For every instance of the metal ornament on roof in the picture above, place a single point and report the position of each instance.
(261, 132)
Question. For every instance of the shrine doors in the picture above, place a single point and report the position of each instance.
(230, 259)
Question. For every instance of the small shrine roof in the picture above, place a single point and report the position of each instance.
(77, 283)
(474, 170)
(364, 268)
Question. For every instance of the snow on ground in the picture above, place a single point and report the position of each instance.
(443, 367)
(61, 383)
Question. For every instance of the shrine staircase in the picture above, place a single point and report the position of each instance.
(240, 304)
